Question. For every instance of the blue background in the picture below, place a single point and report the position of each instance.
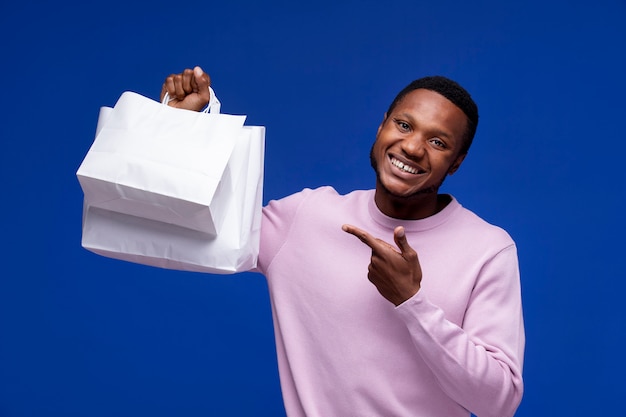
(82, 335)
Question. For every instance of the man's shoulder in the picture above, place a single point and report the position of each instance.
(321, 202)
(476, 225)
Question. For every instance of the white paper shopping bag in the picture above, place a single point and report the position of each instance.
(161, 163)
(150, 242)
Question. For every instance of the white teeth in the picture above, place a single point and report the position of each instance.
(403, 167)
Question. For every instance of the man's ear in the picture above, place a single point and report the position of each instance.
(380, 126)
(457, 163)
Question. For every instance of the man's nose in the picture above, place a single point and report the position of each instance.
(414, 146)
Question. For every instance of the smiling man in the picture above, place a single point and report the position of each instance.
(429, 326)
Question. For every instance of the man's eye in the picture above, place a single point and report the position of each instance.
(438, 143)
(403, 125)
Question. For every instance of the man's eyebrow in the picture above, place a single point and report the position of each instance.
(407, 116)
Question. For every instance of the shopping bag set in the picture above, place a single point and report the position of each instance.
(173, 188)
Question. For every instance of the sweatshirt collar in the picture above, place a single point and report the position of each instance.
(413, 225)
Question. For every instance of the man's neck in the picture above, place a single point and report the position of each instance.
(414, 207)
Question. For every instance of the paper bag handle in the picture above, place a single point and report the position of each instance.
(213, 107)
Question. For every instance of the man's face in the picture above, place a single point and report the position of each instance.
(418, 144)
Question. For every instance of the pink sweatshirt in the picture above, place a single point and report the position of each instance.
(343, 350)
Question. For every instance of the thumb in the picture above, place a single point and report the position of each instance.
(203, 81)
(399, 236)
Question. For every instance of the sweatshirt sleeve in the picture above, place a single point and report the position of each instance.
(479, 365)
(276, 223)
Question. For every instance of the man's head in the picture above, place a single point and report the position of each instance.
(452, 91)
(424, 137)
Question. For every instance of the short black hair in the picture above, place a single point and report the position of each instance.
(452, 91)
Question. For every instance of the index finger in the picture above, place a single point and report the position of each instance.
(362, 235)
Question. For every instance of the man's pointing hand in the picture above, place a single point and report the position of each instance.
(396, 274)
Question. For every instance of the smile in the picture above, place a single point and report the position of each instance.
(404, 167)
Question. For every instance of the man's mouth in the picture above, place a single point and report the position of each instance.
(404, 167)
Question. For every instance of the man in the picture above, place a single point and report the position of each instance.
(438, 330)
